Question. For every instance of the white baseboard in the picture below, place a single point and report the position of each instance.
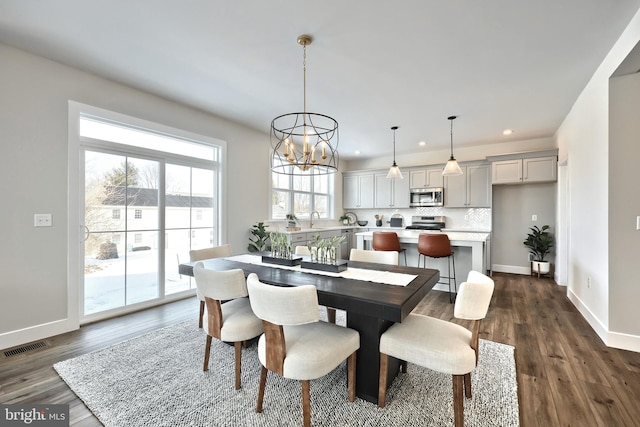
(35, 333)
(514, 269)
(609, 338)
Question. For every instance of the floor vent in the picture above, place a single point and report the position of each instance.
(25, 348)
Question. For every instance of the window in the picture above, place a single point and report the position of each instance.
(301, 194)
(130, 166)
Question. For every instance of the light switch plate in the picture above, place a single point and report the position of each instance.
(534, 217)
(42, 220)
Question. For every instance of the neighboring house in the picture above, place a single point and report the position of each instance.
(139, 207)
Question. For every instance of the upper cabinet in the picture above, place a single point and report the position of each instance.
(391, 193)
(472, 189)
(424, 178)
(524, 168)
(358, 191)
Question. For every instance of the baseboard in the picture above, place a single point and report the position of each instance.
(623, 341)
(35, 333)
(588, 315)
(514, 269)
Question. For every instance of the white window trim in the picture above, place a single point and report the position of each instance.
(74, 168)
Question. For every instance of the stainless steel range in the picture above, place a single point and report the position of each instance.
(426, 223)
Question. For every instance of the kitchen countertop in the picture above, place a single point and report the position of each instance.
(410, 235)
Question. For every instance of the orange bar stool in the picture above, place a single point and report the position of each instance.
(438, 246)
(387, 241)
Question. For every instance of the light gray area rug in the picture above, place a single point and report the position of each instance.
(157, 380)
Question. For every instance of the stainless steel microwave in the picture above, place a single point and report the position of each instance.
(420, 197)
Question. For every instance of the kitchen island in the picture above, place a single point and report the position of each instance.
(471, 250)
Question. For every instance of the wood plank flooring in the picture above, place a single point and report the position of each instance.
(566, 375)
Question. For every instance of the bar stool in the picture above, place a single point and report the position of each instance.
(387, 241)
(438, 246)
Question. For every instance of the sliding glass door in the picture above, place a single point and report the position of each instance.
(146, 199)
(121, 250)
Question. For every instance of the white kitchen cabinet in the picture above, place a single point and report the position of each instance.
(472, 189)
(425, 178)
(391, 193)
(524, 170)
(358, 191)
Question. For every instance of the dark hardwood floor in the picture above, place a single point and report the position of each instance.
(566, 375)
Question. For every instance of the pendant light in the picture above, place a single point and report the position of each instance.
(394, 170)
(304, 143)
(452, 167)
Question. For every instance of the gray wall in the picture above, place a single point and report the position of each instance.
(624, 203)
(35, 299)
(513, 206)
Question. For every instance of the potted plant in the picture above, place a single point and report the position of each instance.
(259, 232)
(291, 220)
(345, 219)
(539, 241)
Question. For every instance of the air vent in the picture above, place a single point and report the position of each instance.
(25, 348)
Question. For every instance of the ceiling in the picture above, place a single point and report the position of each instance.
(496, 64)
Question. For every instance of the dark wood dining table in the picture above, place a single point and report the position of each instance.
(371, 307)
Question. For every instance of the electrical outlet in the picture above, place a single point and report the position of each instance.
(588, 281)
(530, 257)
(534, 217)
(42, 220)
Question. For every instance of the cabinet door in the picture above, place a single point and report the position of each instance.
(421, 178)
(506, 171)
(401, 193)
(435, 178)
(350, 191)
(455, 190)
(539, 169)
(478, 186)
(366, 191)
(384, 191)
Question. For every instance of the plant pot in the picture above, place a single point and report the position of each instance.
(540, 267)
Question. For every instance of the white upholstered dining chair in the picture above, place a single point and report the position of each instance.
(231, 321)
(207, 253)
(378, 257)
(295, 344)
(440, 345)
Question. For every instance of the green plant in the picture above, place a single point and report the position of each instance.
(539, 241)
(259, 232)
(291, 217)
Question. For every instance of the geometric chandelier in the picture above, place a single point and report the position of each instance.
(304, 143)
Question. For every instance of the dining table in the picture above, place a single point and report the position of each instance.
(371, 307)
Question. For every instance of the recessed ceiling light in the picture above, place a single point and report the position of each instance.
(422, 143)
(507, 131)
(357, 152)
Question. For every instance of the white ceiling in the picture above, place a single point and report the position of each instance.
(373, 64)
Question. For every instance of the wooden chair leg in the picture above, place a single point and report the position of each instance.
(207, 353)
(238, 353)
(201, 314)
(403, 366)
(467, 386)
(458, 403)
(351, 376)
(306, 403)
(263, 383)
(382, 382)
(331, 315)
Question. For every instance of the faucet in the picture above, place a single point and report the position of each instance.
(311, 218)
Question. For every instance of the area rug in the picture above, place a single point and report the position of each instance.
(157, 380)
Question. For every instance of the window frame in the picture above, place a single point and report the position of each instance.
(312, 193)
(77, 145)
